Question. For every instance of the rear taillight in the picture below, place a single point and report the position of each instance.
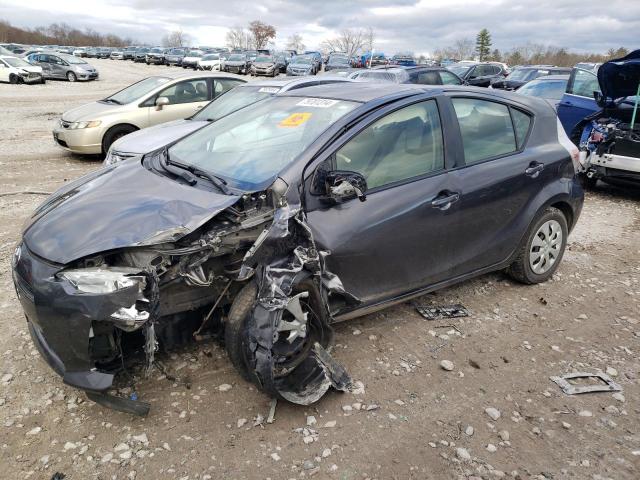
(570, 147)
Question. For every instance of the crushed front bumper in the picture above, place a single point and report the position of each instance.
(60, 319)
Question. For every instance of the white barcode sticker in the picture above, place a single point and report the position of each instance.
(269, 90)
(317, 102)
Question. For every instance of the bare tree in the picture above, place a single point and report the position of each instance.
(294, 42)
(176, 38)
(261, 33)
(463, 49)
(239, 38)
(350, 41)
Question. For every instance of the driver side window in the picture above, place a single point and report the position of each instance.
(584, 84)
(404, 144)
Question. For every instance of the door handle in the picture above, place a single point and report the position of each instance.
(534, 169)
(444, 200)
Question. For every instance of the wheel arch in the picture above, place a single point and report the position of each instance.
(111, 128)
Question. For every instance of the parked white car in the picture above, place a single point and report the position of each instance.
(210, 61)
(117, 55)
(80, 52)
(16, 70)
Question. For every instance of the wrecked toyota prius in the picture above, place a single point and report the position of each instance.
(274, 222)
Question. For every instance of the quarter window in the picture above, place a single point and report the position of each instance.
(449, 78)
(486, 129)
(584, 84)
(521, 123)
(222, 86)
(404, 144)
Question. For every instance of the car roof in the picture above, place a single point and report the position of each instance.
(354, 91)
(551, 77)
(368, 92)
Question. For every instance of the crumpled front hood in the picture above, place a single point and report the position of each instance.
(620, 77)
(117, 207)
(149, 139)
(90, 111)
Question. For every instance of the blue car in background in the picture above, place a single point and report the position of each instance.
(578, 100)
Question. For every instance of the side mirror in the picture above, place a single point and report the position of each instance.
(161, 102)
(342, 185)
(600, 100)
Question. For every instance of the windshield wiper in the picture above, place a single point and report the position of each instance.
(112, 100)
(219, 182)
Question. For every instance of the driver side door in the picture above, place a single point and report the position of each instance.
(395, 241)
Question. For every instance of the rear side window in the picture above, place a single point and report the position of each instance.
(486, 128)
(404, 144)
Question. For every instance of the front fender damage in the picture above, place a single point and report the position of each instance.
(284, 259)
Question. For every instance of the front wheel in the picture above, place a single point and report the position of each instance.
(113, 134)
(71, 77)
(542, 250)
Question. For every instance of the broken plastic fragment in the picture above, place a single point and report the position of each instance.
(608, 386)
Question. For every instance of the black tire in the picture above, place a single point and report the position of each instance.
(13, 79)
(71, 77)
(520, 269)
(113, 134)
(234, 329)
(43, 81)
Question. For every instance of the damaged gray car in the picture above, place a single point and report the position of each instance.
(272, 223)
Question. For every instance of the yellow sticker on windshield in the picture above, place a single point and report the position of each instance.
(295, 119)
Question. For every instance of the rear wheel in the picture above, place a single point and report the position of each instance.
(13, 79)
(542, 249)
(71, 77)
(113, 134)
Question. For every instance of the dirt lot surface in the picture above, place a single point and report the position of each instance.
(412, 418)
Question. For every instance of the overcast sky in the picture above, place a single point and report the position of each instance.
(400, 25)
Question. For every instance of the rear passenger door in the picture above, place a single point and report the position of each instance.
(496, 183)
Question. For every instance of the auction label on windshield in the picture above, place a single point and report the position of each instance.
(317, 102)
(295, 119)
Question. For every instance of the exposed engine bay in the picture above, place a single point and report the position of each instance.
(610, 148)
(260, 250)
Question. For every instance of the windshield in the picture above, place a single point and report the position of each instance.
(459, 70)
(250, 147)
(381, 76)
(522, 74)
(213, 56)
(156, 50)
(264, 60)
(194, 54)
(551, 89)
(16, 62)
(73, 60)
(236, 58)
(143, 50)
(303, 60)
(233, 100)
(137, 90)
(338, 60)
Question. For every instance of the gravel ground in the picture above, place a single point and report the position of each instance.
(412, 418)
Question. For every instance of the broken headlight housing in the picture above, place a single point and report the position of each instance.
(103, 280)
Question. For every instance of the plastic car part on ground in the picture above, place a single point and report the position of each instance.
(605, 384)
(431, 312)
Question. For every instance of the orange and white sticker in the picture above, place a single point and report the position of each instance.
(295, 119)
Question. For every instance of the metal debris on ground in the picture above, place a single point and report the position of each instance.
(606, 383)
(58, 476)
(272, 410)
(433, 312)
